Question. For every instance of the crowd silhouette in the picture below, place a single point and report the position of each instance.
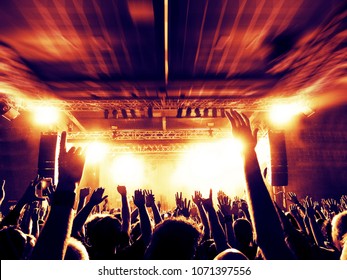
(67, 226)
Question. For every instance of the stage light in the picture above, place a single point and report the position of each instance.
(222, 113)
(95, 152)
(205, 112)
(8, 112)
(124, 113)
(46, 115)
(284, 113)
(133, 114)
(150, 112)
(214, 112)
(128, 170)
(179, 113)
(106, 113)
(197, 112)
(189, 112)
(217, 165)
(115, 114)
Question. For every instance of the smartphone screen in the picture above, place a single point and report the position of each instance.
(41, 188)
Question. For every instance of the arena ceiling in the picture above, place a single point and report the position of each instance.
(151, 58)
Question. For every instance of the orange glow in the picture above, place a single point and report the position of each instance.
(128, 170)
(46, 115)
(284, 113)
(96, 152)
(216, 165)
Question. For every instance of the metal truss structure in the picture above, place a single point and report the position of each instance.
(149, 141)
(152, 149)
(150, 135)
(251, 104)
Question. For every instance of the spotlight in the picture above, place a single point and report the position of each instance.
(124, 113)
(214, 112)
(133, 114)
(115, 114)
(179, 113)
(188, 112)
(222, 113)
(46, 115)
(205, 112)
(197, 112)
(8, 112)
(106, 113)
(150, 112)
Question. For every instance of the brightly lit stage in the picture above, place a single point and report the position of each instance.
(188, 161)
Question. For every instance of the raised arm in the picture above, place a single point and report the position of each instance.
(146, 228)
(29, 196)
(294, 199)
(122, 190)
(266, 223)
(150, 202)
(215, 226)
(293, 209)
(53, 239)
(197, 199)
(224, 205)
(82, 198)
(315, 229)
(35, 217)
(95, 199)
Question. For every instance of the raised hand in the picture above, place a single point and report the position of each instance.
(185, 210)
(197, 198)
(224, 205)
(309, 207)
(70, 165)
(139, 198)
(241, 128)
(220, 194)
(293, 198)
(179, 200)
(333, 205)
(207, 202)
(150, 199)
(122, 190)
(235, 209)
(343, 202)
(97, 196)
(84, 192)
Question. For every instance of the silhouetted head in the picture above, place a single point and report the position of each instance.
(243, 231)
(15, 244)
(103, 233)
(76, 250)
(174, 239)
(206, 250)
(344, 249)
(231, 254)
(339, 229)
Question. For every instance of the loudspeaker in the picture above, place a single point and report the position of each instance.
(279, 164)
(47, 161)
